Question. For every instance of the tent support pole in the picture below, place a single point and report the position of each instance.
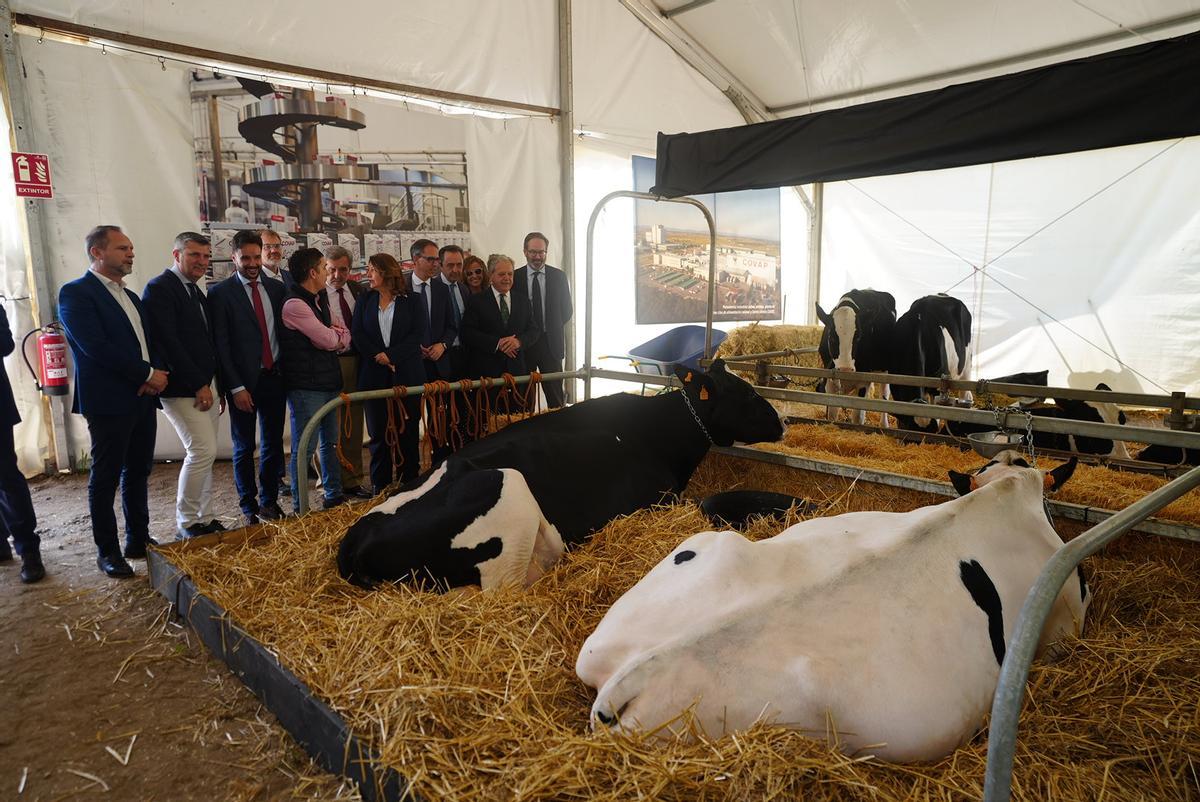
(37, 257)
(816, 222)
(566, 138)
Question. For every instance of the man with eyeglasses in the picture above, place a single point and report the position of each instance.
(273, 265)
(550, 297)
(439, 326)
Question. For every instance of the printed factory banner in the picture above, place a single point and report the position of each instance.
(671, 255)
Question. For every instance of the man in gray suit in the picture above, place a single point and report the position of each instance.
(550, 297)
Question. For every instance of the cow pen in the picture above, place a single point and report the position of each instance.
(321, 727)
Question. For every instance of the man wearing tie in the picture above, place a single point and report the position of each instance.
(118, 376)
(550, 299)
(452, 273)
(342, 296)
(440, 328)
(179, 318)
(246, 318)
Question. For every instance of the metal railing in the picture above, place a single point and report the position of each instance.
(301, 447)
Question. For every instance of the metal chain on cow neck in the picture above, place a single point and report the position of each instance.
(692, 410)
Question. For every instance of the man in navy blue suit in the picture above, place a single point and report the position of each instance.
(180, 322)
(439, 328)
(247, 318)
(118, 376)
(16, 506)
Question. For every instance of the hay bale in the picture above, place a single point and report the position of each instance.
(759, 339)
(473, 696)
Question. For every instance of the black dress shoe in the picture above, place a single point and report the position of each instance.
(360, 492)
(115, 566)
(214, 526)
(270, 512)
(336, 501)
(32, 569)
(252, 519)
(137, 551)
(187, 533)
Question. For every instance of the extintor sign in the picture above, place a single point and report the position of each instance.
(31, 172)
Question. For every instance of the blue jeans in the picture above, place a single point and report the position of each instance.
(304, 404)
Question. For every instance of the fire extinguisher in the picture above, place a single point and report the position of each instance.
(52, 358)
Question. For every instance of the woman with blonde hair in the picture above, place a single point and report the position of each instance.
(387, 335)
(475, 275)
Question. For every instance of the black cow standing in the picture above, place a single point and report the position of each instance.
(856, 337)
(501, 510)
(931, 339)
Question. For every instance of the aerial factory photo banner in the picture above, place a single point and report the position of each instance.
(671, 247)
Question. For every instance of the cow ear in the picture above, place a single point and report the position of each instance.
(963, 482)
(685, 375)
(1056, 478)
(717, 366)
(823, 316)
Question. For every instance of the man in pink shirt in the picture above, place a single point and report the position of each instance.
(310, 344)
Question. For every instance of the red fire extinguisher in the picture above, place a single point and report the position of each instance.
(52, 359)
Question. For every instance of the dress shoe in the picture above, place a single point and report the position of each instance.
(252, 519)
(187, 533)
(214, 526)
(137, 551)
(359, 492)
(271, 512)
(336, 501)
(32, 569)
(115, 566)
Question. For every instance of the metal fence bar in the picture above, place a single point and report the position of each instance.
(301, 447)
(1006, 704)
(591, 235)
(740, 360)
(1008, 420)
(1076, 512)
(979, 387)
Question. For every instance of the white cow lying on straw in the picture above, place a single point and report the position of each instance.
(888, 628)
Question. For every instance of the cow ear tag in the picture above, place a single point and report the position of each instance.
(688, 378)
(703, 393)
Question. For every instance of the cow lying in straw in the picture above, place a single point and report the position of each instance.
(501, 510)
(889, 628)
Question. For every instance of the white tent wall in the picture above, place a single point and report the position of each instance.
(629, 85)
(29, 435)
(506, 50)
(1099, 252)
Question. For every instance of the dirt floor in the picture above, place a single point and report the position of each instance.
(103, 696)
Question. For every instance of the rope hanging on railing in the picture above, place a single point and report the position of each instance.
(483, 407)
(344, 431)
(533, 399)
(508, 393)
(395, 409)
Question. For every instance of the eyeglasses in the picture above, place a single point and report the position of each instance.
(475, 272)
(536, 253)
(434, 259)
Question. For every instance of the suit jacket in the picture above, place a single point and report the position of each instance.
(404, 348)
(183, 334)
(109, 369)
(441, 326)
(235, 330)
(557, 310)
(482, 330)
(9, 415)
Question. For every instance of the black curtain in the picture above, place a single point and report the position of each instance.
(1139, 94)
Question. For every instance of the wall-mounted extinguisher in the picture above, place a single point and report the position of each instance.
(52, 358)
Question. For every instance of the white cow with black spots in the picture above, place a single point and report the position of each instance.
(888, 628)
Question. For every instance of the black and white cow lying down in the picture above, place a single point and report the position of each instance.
(501, 510)
(888, 627)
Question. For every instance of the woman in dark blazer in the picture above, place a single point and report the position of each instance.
(392, 361)
(496, 343)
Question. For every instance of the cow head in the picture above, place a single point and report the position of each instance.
(836, 348)
(729, 408)
(1007, 463)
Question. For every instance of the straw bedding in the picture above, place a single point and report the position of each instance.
(473, 696)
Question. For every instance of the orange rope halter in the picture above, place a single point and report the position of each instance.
(344, 431)
(394, 429)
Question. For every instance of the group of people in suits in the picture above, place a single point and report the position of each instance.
(275, 336)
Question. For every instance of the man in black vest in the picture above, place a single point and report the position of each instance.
(310, 369)
(181, 323)
(246, 325)
(16, 506)
(550, 299)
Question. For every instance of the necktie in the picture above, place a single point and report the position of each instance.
(427, 303)
(345, 307)
(457, 305)
(268, 361)
(195, 293)
(504, 308)
(537, 300)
